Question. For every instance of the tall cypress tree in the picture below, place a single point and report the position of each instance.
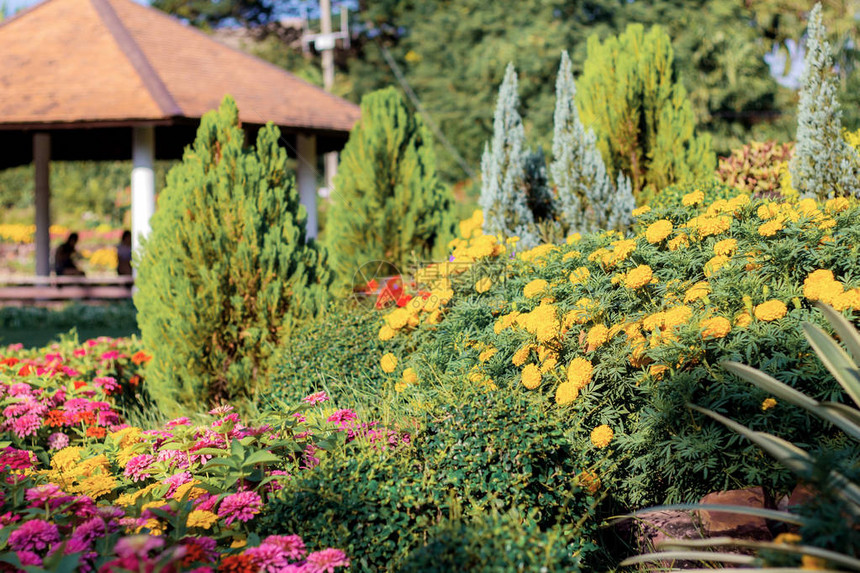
(824, 164)
(504, 193)
(642, 117)
(586, 197)
(226, 269)
(388, 204)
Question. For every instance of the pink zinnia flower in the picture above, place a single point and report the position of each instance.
(29, 558)
(292, 545)
(242, 506)
(48, 494)
(110, 355)
(178, 422)
(107, 383)
(268, 558)
(316, 398)
(34, 535)
(326, 561)
(90, 530)
(137, 467)
(342, 416)
(26, 425)
(79, 352)
(175, 481)
(221, 410)
(12, 459)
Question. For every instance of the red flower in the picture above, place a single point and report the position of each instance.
(86, 417)
(238, 564)
(96, 432)
(141, 357)
(79, 384)
(371, 286)
(55, 419)
(135, 380)
(24, 371)
(11, 361)
(404, 300)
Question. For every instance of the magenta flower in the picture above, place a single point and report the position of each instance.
(292, 545)
(29, 558)
(110, 355)
(326, 561)
(138, 545)
(175, 481)
(107, 383)
(26, 425)
(221, 410)
(137, 467)
(34, 535)
(178, 422)
(342, 416)
(316, 398)
(12, 459)
(242, 506)
(268, 558)
(90, 530)
(48, 494)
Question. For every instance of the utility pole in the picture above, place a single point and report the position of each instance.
(330, 158)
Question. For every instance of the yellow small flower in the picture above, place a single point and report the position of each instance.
(770, 310)
(812, 563)
(398, 318)
(658, 231)
(386, 333)
(574, 238)
(409, 376)
(743, 320)
(681, 240)
(601, 436)
(726, 247)
(639, 211)
(201, 518)
(836, 205)
(694, 198)
(638, 277)
(520, 355)
(579, 275)
(579, 372)
(589, 481)
(768, 404)
(388, 363)
(657, 370)
(531, 376)
(483, 285)
(717, 327)
(789, 538)
(534, 288)
(487, 354)
(714, 264)
(770, 228)
(566, 393)
(699, 290)
(597, 335)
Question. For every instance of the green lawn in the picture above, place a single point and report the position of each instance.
(35, 327)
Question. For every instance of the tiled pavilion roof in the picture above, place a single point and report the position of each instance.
(104, 63)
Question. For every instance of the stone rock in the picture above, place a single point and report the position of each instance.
(724, 523)
(655, 527)
(800, 495)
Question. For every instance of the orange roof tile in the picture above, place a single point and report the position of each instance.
(117, 62)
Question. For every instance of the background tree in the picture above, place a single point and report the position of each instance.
(824, 164)
(226, 270)
(629, 95)
(586, 198)
(388, 204)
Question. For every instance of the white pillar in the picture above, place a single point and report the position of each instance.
(306, 179)
(42, 164)
(142, 182)
(330, 159)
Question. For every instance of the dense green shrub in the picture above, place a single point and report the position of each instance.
(645, 127)
(493, 453)
(493, 544)
(226, 270)
(388, 204)
(756, 168)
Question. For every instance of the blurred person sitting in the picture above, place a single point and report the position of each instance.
(64, 258)
(123, 254)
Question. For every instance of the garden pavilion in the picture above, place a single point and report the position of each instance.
(113, 79)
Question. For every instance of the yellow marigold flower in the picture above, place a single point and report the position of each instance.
(789, 538)
(717, 327)
(699, 290)
(548, 365)
(718, 207)
(579, 275)
(579, 372)
(574, 238)
(694, 198)
(409, 376)
(95, 486)
(201, 518)
(472, 225)
(743, 320)
(482, 246)
(435, 317)
(388, 363)
(739, 201)
(623, 249)
(812, 563)
(154, 526)
(597, 335)
(566, 393)
(657, 370)
(770, 228)
(487, 354)
(767, 211)
(589, 481)
(770, 310)
(599, 254)
(815, 281)
(483, 285)
(397, 318)
(638, 277)
(836, 205)
(714, 264)
(707, 226)
(601, 436)
(676, 316)
(190, 489)
(658, 230)
(522, 354)
(806, 207)
(639, 211)
(543, 322)
(534, 288)
(768, 404)
(827, 224)
(539, 252)
(681, 240)
(505, 321)
(654, 321)
(66, 459)
(726, 247)
(848, 299)
(531, 376)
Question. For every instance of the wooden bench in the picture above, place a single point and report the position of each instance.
(62, 288)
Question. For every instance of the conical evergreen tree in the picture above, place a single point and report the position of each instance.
(586, 198)
(504, 197)
(824, 164)
(226, 269)
(641, 115)
(388, 204)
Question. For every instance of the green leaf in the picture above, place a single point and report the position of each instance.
(260, 457)
(771, 514)
(835, 359)
(689, 556)
(846, 331)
